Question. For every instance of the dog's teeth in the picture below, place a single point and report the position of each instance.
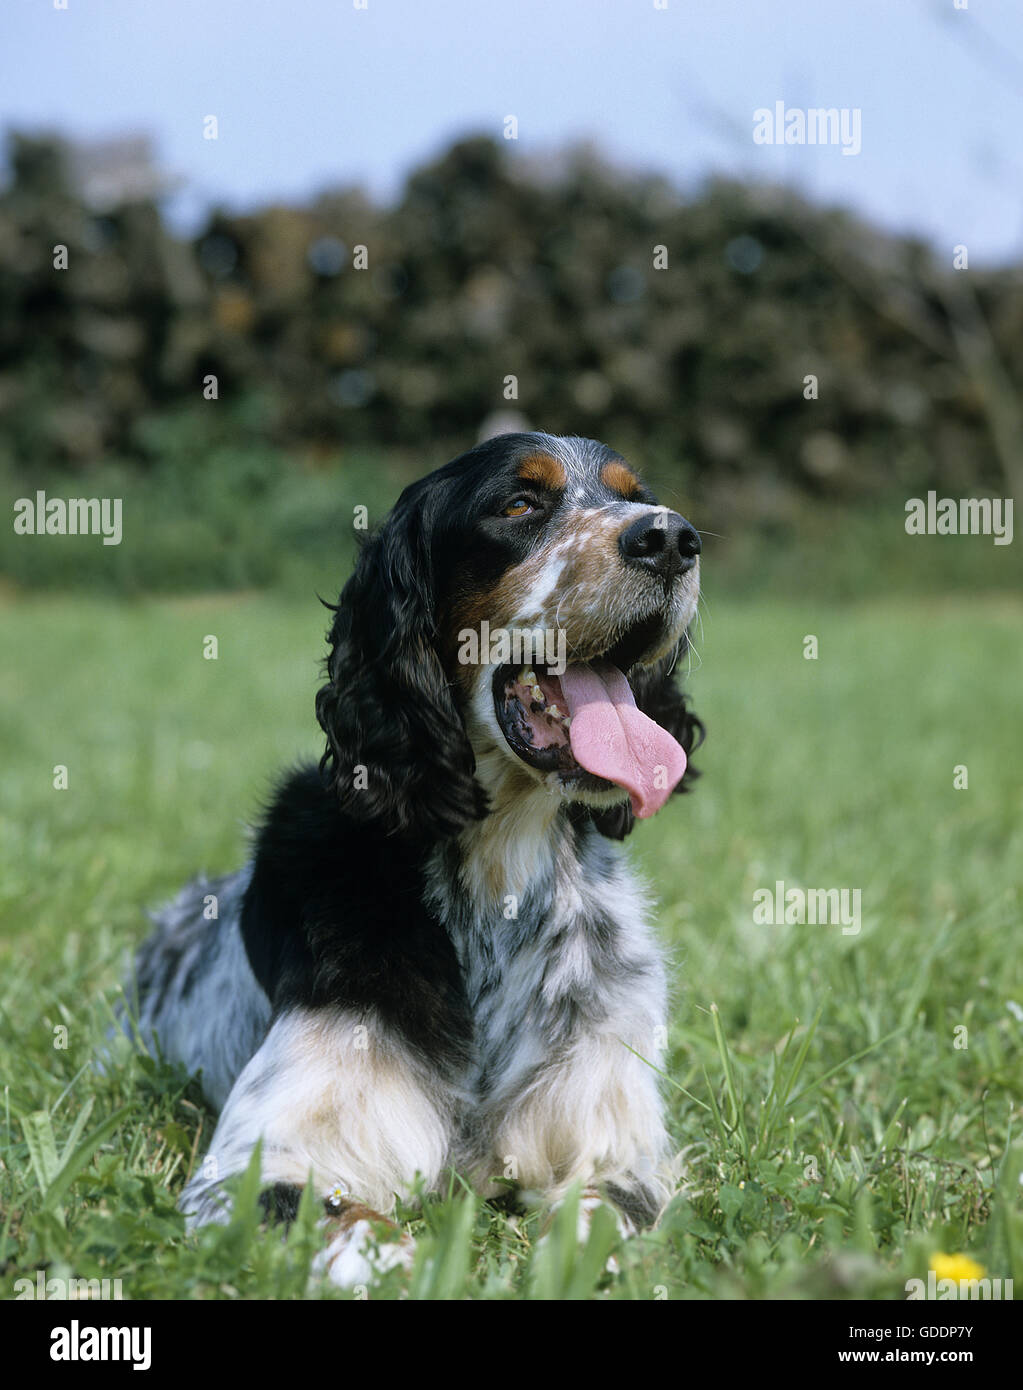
(528, 678)
(553, 709)
(537, 694)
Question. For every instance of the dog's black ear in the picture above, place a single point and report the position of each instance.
(659, 697)
(397, 752)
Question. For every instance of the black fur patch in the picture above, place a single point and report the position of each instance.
(280, 1203)
(334, 914)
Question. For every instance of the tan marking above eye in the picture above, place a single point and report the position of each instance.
(620, 479)
(542, 470)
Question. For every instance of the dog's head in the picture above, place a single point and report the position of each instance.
(514, 620)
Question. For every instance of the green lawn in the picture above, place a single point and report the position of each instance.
(795, 1050)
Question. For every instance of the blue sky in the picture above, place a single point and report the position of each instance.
(312, 93)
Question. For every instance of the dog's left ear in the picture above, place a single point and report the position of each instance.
(397, 751)
(659, 697)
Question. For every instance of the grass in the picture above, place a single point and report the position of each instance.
(834, 1134)
(206, 513)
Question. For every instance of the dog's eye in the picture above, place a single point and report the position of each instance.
(521, 506)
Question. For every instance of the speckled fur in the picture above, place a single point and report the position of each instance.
(445, 960)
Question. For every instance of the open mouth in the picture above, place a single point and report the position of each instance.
(585, 726)
(533, 714)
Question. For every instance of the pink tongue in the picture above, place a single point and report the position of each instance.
(613, 739)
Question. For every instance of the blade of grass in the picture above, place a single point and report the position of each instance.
(76, 1161)
(730, 1087)
(858, 1056)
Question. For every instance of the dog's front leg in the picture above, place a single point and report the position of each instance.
(593, 1118)
(339, 1097)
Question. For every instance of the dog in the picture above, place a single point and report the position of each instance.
(437, 957)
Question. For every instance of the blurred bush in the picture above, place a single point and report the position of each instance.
(336, 385)
(491, 266)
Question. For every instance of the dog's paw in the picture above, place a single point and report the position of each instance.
(362, 1245)
(588, 1204)
(590, 1201)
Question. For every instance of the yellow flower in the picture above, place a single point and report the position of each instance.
(955, 1267)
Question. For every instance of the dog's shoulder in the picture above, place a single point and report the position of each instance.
(335, 915)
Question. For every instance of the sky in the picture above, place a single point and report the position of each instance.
(311, 94)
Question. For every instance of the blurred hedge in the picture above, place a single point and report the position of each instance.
(490, 266)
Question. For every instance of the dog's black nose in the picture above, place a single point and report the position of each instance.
(663, 543)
